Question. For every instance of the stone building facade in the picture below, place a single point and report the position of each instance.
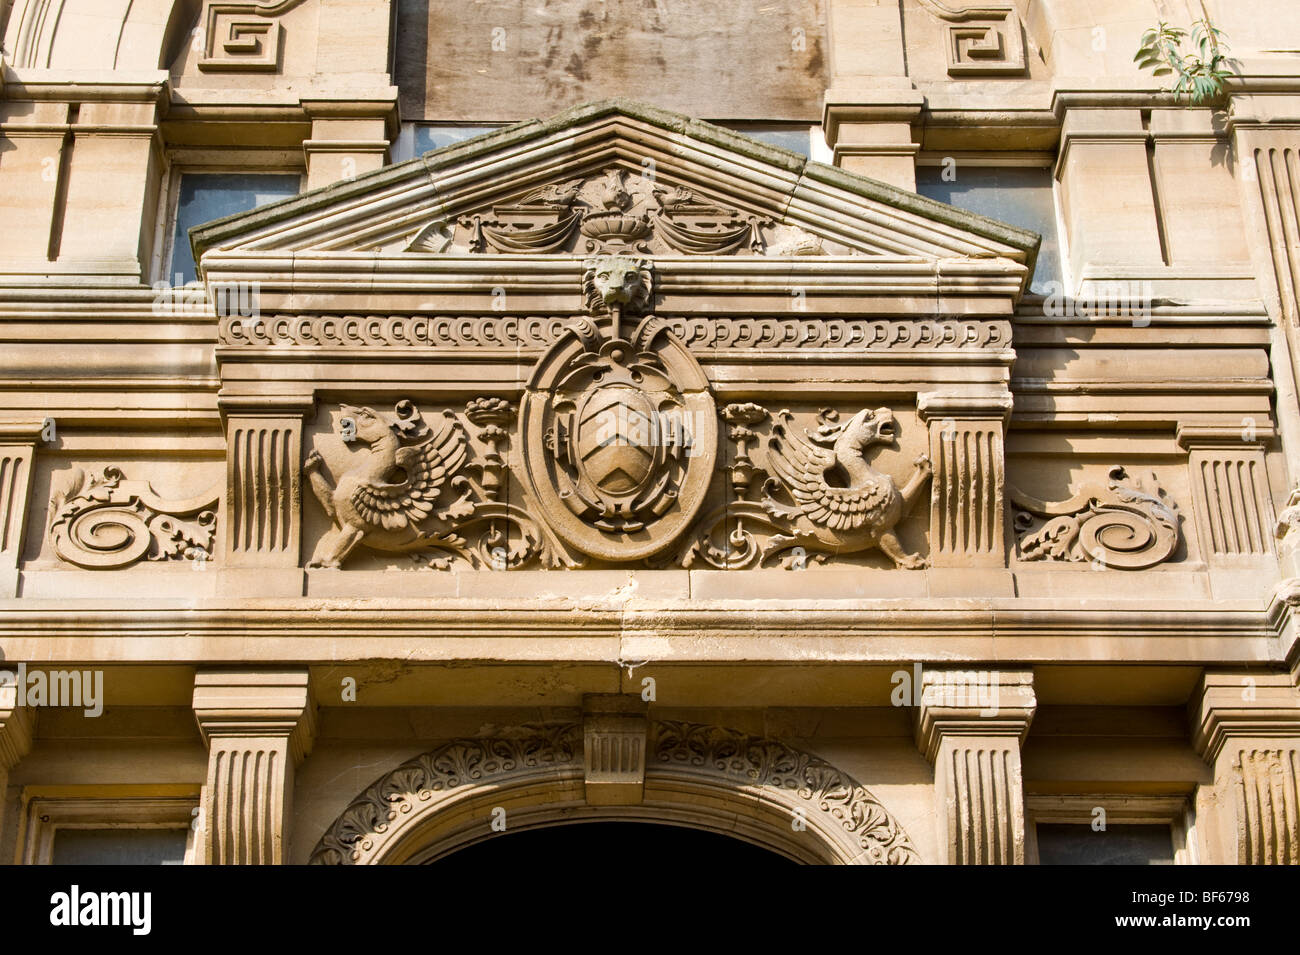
(863, 428)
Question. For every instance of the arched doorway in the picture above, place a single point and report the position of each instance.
(649, 843)
(698, 776)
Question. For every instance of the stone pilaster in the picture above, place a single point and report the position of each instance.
(263, 528)
(1107, 202)
(1234, 509)
(17, 727)
(259, 725)
(870, 133)
(17, 454)
(1265, 133)
(614, 729)
(967, 437)
(348, 137)
(1247, 726)
(970, 726)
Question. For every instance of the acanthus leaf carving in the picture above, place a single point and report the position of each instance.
(1124, 523)
(104, 521)
(402, 799)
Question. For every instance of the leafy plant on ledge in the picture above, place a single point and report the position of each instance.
(1202, 73)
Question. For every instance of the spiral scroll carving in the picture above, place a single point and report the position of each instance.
(104, 521)
(1123, 523)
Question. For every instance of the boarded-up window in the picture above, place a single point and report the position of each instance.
(507, 60)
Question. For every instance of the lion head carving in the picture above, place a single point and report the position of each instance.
(611, 280)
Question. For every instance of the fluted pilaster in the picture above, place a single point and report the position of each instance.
(259, 726)
(1247, 726)
(970, 725)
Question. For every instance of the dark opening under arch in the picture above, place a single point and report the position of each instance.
(650, 843)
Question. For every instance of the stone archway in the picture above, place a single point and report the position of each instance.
(696, 775)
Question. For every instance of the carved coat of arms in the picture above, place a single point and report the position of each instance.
(619, 433)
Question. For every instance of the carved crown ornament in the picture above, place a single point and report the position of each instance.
(615, 211)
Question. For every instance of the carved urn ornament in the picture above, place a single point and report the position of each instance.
(619, 430)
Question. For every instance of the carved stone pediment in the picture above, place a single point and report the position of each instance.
(616, 177)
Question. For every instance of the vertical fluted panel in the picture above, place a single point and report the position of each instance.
(967, 495)
(246, 789)
(1278, 178)
(263, 490)
(983, 804)
(11, 468)
(1268, 807)
(15, 482)
(1231, 493)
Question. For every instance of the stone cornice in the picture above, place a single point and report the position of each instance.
(1243, 705)
(274, 632)
(974, 702)
(256, 703)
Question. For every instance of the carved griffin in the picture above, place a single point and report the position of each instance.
(383, 498)
(841, 505)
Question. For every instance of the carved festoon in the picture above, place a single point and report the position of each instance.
(616, 210)
(103, 521)
(1125, 523)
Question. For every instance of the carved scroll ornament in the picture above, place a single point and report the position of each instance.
(103, 521)
(1123, 523)
(403, 799)
(982, 40)
(242, 35)
(534, 333)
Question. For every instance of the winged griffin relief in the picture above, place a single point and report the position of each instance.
(410, 487)
(814, 495)
(616, 211)
(611, 459)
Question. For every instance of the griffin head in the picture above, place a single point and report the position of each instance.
(369, 425)
(869, 427)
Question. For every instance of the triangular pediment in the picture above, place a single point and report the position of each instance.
(617, 177)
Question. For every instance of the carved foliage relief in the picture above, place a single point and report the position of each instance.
(611, 456)
(1128, 523)
(406, 796)
(103, 521)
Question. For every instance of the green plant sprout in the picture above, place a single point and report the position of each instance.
(1202, 74)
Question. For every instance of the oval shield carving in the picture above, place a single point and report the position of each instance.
(620, 439)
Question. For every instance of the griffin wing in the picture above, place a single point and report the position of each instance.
(802, 465)
(427, 467)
